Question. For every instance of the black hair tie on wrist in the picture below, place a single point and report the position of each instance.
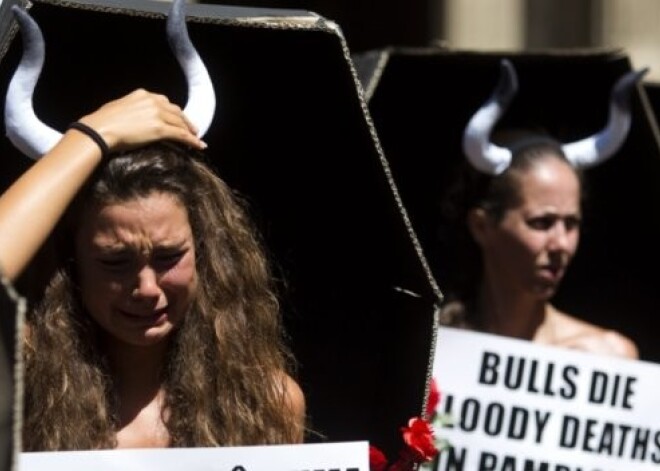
(93, 135)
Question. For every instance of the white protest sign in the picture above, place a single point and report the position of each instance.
(340, 456)
(519, 406)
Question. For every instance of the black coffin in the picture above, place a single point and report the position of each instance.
(292, 134)
(420, 101)
(12, 312)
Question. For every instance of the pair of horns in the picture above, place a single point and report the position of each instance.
(34, 138)
(492, 159)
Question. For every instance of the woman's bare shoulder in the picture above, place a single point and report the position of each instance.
(572, 332)
(295, 395)
(295, 401)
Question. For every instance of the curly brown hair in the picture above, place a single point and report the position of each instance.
(223, 380)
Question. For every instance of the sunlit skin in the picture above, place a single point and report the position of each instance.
(525, 257)
(135, 271)
(136, 265)
(136, 262)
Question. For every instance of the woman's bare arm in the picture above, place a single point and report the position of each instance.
(32, 205)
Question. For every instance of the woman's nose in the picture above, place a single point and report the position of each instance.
(561, 237)
(146, 284)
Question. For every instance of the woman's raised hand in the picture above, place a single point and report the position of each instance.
(139, 118)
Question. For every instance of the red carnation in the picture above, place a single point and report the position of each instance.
(377, 460)
(433, 401)
(418, 436)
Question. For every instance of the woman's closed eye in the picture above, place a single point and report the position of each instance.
(116, 263)
(167, 259)
(160, 260)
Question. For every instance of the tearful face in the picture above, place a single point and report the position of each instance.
(136, 264)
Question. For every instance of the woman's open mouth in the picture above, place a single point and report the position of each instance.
(153, 317)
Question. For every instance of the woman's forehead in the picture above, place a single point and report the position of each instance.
(158, 217)
(550, 180)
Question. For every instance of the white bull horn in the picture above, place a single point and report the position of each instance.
(595, 149)
(480, 152)
(27, 132)
(34, 138)
(200, 107)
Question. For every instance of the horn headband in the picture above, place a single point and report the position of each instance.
(35, 138)
(593, 150)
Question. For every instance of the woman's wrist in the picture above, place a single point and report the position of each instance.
(91, 133)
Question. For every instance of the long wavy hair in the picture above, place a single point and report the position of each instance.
(223, 380)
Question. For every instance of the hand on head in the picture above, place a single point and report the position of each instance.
(34, 203)
(139, 118)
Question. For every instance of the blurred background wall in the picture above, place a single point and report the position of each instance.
(494, 24)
